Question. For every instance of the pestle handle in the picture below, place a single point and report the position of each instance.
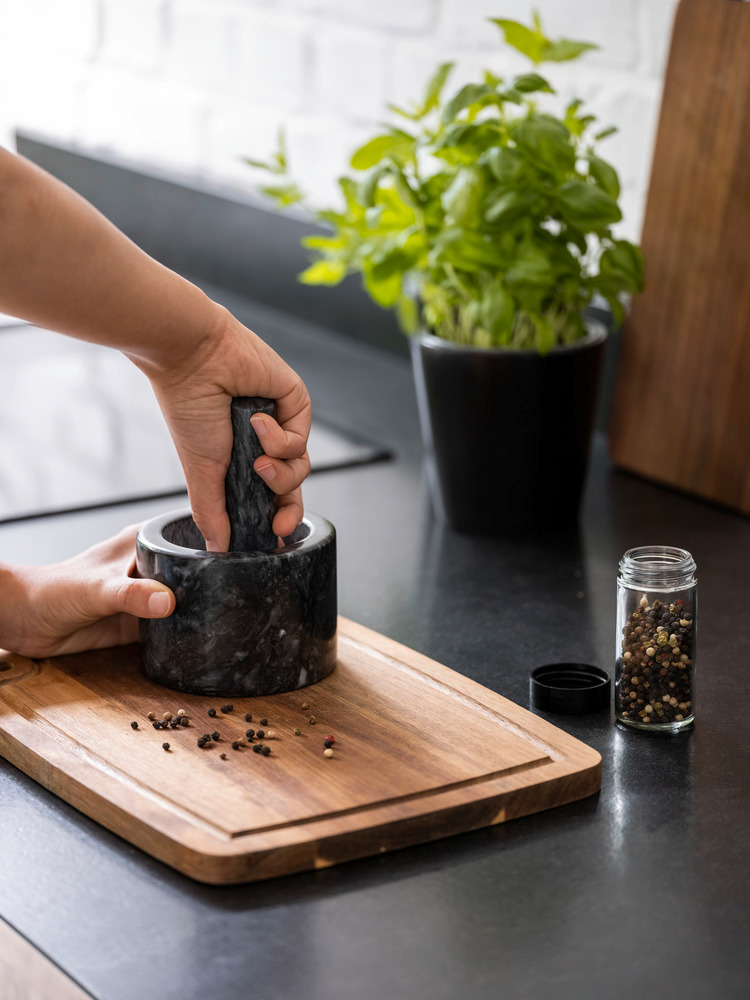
(251, 504)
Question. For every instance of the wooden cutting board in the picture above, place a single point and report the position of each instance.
(681, 411)
(421, 753)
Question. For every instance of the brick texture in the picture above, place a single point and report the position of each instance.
(198, 83)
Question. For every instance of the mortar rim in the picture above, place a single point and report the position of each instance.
(150, 538)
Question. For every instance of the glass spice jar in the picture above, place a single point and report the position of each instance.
(657, 593)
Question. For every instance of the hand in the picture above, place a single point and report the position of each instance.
(87, 602)
(195, 396)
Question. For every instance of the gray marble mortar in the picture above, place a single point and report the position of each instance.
(253, 621)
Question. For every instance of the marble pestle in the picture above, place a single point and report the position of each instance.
(256, 620)
(251, 504)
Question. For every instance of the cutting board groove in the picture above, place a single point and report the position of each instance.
(421, 752)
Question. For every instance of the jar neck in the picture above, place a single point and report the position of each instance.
(657, 567)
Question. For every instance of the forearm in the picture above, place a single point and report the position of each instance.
(64, 266)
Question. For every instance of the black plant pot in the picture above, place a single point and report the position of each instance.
(507, 433)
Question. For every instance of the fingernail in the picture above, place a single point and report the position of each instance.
(259, 425)
(267, 472)
(159, 603)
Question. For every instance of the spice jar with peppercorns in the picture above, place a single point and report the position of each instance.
(657, 595)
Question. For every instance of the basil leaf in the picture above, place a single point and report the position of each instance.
(398, 145)
(586, 206)
(529, 83)
(323, 272)
(472, 93)
(522, 39)
(462, 202)
(565, 49)
(545, 141)
(605, 175)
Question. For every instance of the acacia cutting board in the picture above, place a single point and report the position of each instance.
(681, 411)
(422, 752)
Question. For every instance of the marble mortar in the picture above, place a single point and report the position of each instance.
(257, 620)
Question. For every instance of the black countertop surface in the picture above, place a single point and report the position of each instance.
(643, 889)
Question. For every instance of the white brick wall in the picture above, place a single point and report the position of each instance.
(196, 83)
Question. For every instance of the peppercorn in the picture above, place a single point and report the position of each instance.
(297, 732)
(257, 748)
(260, 734)
(151, 716)
(305, 705)
(156, 725)
(181, 712)
(263, 722)
(312, 720)
(331, 738)
(236, 745)
(223, 756)
(227, 708)
(248, 717)
(174, 724)
(327, 744)
(133, 725)
(165, 746)
(250, 733)
(265, 750)
(271, 734)
(184, 721)
(212, 712)
(167, 716)
(328, 752)
(215, 737)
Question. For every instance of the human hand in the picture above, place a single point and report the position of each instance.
(195, 396)
(87, 602)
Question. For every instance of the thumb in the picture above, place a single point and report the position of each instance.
(141, 598)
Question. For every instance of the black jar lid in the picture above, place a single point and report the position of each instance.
(569, 688)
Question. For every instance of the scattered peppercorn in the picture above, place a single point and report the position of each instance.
(181, 712)
(257, 748)
(271, 734)
(312, 720)
(297, 732)
(248, 717)
(227, 708)
(174, 724)
(260, 734)
(250, 733)
(331, 738)
(327, 744)
(263, 722)
(167, 716)
(212, 712)
(156, 725)
(151, 716)
(304, 706)
(222, 756)
(215, 737)
(328, 752)
(165, 746)
(133, 725)
(265, 750)
(236, 745)
(184, 721)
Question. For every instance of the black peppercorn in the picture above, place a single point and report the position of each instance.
(165, 746)
(327, 744)
(250, 733)
(248, 717)
(223, 756)
(156, 725)
(260, 734)
(212, 712)
(257, 748)
(265, 750)
(263, 722)
(184, 721)
(215, 737)
(227, 708)
(133, 725)
(236, 745)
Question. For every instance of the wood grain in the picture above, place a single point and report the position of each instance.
(27, 974)
(421, 753)
(681, 411)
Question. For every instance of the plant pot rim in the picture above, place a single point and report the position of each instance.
(597, 333)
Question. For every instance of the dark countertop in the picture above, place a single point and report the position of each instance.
(643, 889)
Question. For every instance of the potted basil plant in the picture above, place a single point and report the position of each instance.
(485, 221)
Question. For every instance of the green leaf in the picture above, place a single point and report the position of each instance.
(565, 49)
(261, 165)
(471, 93)
(586, 206)
(407, 313)
(545, 141)
(462, 201)
(467, 250)
(528, 42)
(464, 142)
(529, 83)
(435, 87)
(605, 175)
(283, 194)
(506, 165)
(509, 206)
(605, 132)
(323, 272)
(397, 145)
(530, 269)
(623, 262)
(497, 310)
(385, 291)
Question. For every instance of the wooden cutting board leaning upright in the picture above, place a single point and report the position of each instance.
(681, 411)
(421, 752)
